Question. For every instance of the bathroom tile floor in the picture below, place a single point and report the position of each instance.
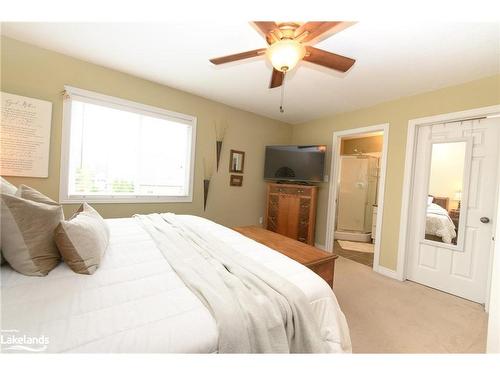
(356, 256)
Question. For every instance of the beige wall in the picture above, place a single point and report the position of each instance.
(35, 72)
(365, 145)
(31, 71)
(480, 93)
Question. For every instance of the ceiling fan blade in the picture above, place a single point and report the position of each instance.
(265, 27)
(238, 56)
(318, 30)
(328, 59)
(276, 79)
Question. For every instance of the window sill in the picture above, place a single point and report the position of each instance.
(75, 199)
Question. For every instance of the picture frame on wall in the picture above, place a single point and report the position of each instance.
(236, 180)
(236, 161)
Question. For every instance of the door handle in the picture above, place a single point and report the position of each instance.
(485, 220)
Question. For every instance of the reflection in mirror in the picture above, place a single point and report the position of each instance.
(445, 192)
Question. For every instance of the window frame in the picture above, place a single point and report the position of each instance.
(130, 106)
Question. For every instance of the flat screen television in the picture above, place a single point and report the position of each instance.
(295, 163)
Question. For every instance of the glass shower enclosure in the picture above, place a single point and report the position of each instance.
(357, 194)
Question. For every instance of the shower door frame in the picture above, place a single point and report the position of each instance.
(333, 188)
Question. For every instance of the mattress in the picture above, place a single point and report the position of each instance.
(135, 302)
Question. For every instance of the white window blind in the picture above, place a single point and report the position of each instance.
(123, 151)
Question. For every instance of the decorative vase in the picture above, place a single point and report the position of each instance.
(206, 184)
(218, 147)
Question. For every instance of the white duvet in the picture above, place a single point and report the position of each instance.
(438, 223)
(136, 303)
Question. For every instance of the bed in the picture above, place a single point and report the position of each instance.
(136, 303)
(438, 224)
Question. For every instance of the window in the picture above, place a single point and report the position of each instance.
(120, 151)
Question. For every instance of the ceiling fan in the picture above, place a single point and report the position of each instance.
(290, 42)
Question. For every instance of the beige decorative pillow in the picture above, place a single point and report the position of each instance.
(27, 235)
(7, 188)
(31, 194)
(82, 240)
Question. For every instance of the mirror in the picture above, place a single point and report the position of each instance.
(444, 197)
(236, 161)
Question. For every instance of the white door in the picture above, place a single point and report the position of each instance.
(453, 206)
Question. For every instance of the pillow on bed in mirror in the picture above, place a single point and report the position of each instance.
(82, 240)
(27, 235)
(7, 188)
(430, 199)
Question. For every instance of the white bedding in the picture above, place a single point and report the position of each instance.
(438, 223)
(136, 303)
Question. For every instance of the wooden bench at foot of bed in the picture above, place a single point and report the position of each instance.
(318, 261)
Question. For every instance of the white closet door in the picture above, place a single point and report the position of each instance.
(459, 269)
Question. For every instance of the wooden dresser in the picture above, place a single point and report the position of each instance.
(320, 262)
(291, 211)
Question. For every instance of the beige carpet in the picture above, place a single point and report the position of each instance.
(365, 247)
(388, 316)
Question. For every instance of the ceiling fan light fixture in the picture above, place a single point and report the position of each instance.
(285, 54)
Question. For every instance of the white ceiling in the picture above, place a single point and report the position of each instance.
(392, 60)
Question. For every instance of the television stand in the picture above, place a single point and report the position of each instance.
(291, 210)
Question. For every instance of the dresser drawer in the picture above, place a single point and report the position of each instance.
(290, 190)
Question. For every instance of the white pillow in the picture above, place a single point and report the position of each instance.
(429, 200)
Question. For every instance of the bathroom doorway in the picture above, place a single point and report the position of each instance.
(356, 194)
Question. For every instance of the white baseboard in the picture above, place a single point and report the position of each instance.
(388, 272)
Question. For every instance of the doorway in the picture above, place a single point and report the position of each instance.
(450, 229)
(356, 194)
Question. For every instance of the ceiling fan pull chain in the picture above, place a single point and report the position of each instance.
(282, 110)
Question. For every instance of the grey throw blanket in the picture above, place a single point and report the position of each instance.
(256, 310)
